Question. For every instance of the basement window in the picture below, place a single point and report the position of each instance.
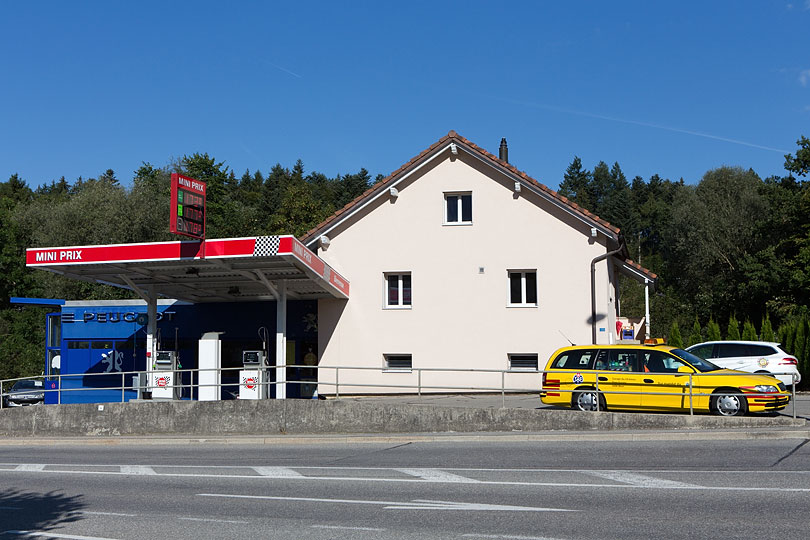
(398, 362)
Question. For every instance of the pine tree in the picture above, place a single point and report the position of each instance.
(713, 331)
(733, 331)
(766, 330)
(695, 334)
(675, 335)
(749, 332)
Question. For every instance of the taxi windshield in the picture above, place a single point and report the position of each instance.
(697, 362)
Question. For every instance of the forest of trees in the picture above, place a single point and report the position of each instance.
(731, 252)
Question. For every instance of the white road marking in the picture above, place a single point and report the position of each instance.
(108, 514)
(137, 470)
(639, 480)
(507, 536)
(438, 475)
(345, 528)
(277, 472)
(418, 504)
(212, 520)
(657, 484)
(55, 534)
(30, 467)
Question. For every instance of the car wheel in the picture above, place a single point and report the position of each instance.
(729, 404)
(586, 401)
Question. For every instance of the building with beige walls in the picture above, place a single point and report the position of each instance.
(460, 261)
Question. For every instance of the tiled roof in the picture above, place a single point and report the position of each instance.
(641, 269)
(452, 136)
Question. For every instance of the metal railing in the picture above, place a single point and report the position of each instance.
(138, 384)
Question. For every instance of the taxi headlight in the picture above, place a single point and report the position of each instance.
(766, 388)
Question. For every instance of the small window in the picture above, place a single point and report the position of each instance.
(623, 360)
(731, 350)
(759, 350)
(523, 288)
(398, 290)
(458, 208)
(398, 362)
(703, 351)
(523, 362)
(576, 359)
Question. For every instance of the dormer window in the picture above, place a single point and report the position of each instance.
(458, 208)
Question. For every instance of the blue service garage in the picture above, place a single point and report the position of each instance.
(101, 340)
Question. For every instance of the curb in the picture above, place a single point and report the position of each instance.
(405, 438)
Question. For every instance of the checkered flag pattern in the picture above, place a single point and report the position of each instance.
(266, 246)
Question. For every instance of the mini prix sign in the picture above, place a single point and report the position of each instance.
(187, 207)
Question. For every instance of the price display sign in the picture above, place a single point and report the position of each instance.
(187, 207)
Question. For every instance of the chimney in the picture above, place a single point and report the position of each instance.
(503, 151)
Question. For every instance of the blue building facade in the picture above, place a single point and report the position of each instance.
(92, 345)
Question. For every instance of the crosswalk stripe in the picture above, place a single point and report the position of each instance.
(437, 475)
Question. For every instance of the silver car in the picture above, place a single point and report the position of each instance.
(751, 356)
(25, 392)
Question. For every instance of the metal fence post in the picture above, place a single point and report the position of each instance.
(597, 391)
(503, 391)
(337, 383)
(691, 411)
(793, 391)
(123, 386)
(59, 390)
(419, 381)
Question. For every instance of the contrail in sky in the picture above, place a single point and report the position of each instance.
(645, 124)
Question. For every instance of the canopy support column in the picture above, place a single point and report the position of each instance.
(281, 341)
(647, 284)
(151, 334)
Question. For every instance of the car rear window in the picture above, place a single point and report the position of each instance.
(760, 350)
(731, 350)
(582, 359)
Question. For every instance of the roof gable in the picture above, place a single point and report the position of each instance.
(435, 151)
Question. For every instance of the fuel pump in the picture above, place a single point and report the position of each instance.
(165, 383)
(253, 376)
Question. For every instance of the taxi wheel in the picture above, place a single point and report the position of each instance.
(586, 401)
(729, 404)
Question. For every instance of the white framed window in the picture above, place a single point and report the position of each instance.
(523, 362)
(397, 290)
(458, 208)
(522, 288)
(398, 362)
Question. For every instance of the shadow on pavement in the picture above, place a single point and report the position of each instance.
(27, 511)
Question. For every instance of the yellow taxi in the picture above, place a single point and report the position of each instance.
(654, 378)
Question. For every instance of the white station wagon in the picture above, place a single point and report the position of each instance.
(751, 356)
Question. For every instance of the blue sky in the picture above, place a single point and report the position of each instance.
(675, 89)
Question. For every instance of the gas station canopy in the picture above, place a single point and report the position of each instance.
(220, 270)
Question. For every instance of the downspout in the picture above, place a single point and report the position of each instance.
(593, 283)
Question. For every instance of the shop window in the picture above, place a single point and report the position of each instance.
(523, 288)
(458, 209)
(523, 362)
(398, 290)
(398, 362)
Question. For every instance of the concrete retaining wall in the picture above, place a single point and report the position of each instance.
(273, 417)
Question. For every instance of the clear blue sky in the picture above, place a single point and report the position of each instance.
(673, 89)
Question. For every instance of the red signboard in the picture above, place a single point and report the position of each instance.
(187, 207)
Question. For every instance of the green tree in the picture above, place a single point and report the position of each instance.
(576, 184)
(695, 333)
(733, 330)
(749, 333)
(675, 336)
(801, 163)
(766, 329)
(713, 331)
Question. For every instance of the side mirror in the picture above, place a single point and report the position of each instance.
(685, 369)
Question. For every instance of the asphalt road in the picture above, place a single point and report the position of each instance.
(465, 489)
